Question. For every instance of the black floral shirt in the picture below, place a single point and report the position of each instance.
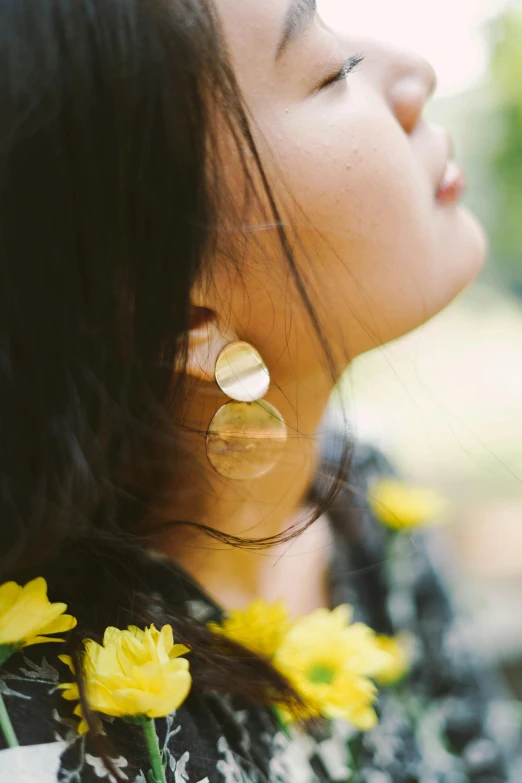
(449, 721)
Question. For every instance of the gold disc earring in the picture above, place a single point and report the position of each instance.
(247, 436)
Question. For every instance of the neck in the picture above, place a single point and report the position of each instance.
(268, 507)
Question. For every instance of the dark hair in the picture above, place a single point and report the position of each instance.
(110, 176)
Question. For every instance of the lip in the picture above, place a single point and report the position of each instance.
(452, 184)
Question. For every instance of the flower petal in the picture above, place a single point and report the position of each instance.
(165, 643)
(343, 614)
(83, 726)
(104, 661)
(101, 698)
(176, 691)
(111, 635)
(41, 640)
(68, 661)
(36, 588)
(133, 651)
(9, 594)
(132, 701)
(31, 613)
(60, 624)
(136, 632)
(150, 650)
(70, 690)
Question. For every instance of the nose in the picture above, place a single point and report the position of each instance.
(405, 79)
(410, 83)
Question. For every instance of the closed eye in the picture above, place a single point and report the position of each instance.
(348, 67)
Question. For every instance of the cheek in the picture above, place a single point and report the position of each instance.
(371, 227)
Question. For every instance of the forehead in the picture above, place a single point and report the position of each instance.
(253, 26)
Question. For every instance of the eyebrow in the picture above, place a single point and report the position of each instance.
(297, 19)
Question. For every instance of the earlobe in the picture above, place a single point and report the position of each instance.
(206, 340)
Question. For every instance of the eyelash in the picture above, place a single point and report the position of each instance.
(348, 66)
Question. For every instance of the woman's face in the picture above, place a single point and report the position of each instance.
(379, 251)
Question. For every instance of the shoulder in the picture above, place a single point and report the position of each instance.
(358, 461)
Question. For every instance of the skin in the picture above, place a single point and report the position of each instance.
(355, 169)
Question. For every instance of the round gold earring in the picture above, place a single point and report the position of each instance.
(247, 436)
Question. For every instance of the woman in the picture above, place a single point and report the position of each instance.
(204, 205)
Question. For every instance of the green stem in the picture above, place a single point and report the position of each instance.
(7, 726)
(151, 740)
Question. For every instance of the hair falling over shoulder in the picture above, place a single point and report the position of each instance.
(111, 174)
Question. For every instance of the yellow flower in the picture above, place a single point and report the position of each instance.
(260, 626)
(134, 673)
(403, 507)
(27, 616)
(399, 656)
(330, 662)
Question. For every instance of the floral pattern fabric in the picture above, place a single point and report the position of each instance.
(449, 721)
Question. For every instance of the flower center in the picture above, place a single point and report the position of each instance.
(321, 674)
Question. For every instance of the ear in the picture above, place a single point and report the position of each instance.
(206, 340)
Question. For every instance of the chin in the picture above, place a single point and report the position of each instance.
(462, 251)
(473, 248)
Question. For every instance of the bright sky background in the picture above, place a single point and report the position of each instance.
(447, 32)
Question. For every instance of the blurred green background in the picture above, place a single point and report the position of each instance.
(487, 123)
(446, 401)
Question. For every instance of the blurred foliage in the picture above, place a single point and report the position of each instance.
(505, 160)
